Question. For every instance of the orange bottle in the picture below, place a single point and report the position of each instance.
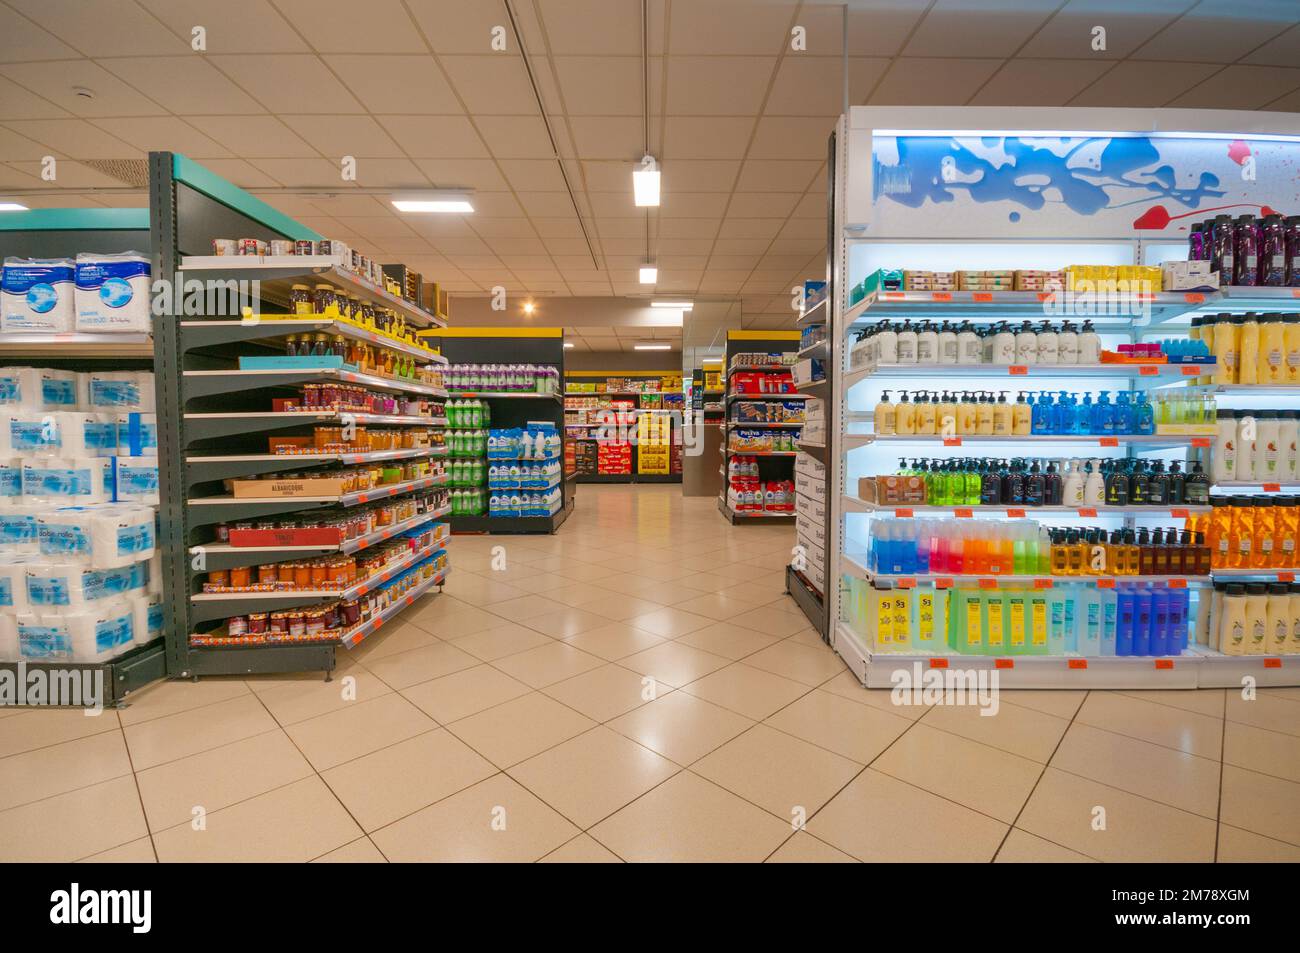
(1286, 531)
(1264, 534)
(1216, 536)
(977, 553)
(1241, 533)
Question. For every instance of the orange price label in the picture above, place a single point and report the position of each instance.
(963, 513)
(982, 297)
(1017, 369)
(943, 583)
(1194, 297)
(1200, 441)
(410, 600)
(378, 623)
(1088, 511)
(941, 296)
(1004, 663)
(1016, 514)
(1109, 442)
(1164, 663)
(1148, 370)
(1295, 292)
(988, 583)
(904, 513)
(1046, 296)
(938, 663)
(906, 583)
(1179, 514)
(1042, 584)
(363, 498)
(1077, 662)
(1272, 663)
(363, 544)
(1272, 487)
(1286, 577)
(893, 295)
(952, 441)
(1105, 583)
(1177, 583)
(1191, 370)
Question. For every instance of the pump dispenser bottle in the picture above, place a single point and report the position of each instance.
(885, 418)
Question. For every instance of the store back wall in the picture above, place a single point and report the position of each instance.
(617, 361)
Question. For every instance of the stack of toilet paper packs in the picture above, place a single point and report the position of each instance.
(80, 577)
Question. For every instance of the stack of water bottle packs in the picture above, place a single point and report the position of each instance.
(537, 441)
(522, 475)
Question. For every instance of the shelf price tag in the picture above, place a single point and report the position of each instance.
(1016, 370)
(1041, 583)
(1191, 370)
(1177, 583)
(905, 583)
(988, 583)
(1089, 512)
(1149, 370)
(943, 583)
(1295, 292)
(904, 513)
(1194, 297)
(1272, 663)
(1077, 663)
(938, 663)
(981, 297)
(1271, 487)
(1047, 296)
(893, 296)
(1179, 514)
(941, 296)
(1105, 583)
(1286, 577)
(1108, 442)
(1015, 514)
(1200, 441)
(963, 513)
(1163, 664)
(1004, 663)
(363, 498)
(952, 441)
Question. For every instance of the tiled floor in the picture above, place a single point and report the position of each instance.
(638, 687)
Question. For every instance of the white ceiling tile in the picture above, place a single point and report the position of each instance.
(495, 205)
(103, 28)
(576, 26)
(414, 85)
(708, 27)
(435, 137)
(1241, 87)
(335, 136)
(57, 82)
(25, 41)
(610, 137)
(561, 228)
(615, 205)
(546, 204)
(814, 86)
(454, 26)
(343, 205)
(377, 173)
(876, 27)
(492, 84)
(14, 146)
(726, 245)
(569, 263)
(798, 246)
(233, 26)
(77, 138)
(1220, 31)
(301, 172)
(479, 174)
(622, 246)
(1038, 82)
(533, 175)
(698, 175)
(803, 228)
(751, 228)
(187, 85)
(692, 204)
(787, 137)
(812, 205)
(736, 263)
(919, 81)
(516, 262)
(762, 204)
(453, 246)
(717, 86)
(1283, 50)
(777, 175)
(1069, 34)
(690, 137)
(515, 137)
(781, 264)
(978, 27)
(487, 227)
(376, 26)
(687, 251)
(689, 228)
(533, 247)
(601, 85)
(254, 136)
(289, 84)
(19, 103)
(1134, 83)
(164, 134)
(608, 175)
(715, 285)
(71, 175)
(622, 227)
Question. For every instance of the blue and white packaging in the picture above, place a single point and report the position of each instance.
(9, 637)
(11, 482)
(37, 295)
(81, 434)
(38, 390)
(137, 480)
(121, 535)
(68, 480)
(112, 292)
(117, 391)
(148, 613)
(54, 584)
(19, 533)
(137, 435)
(41, 639)
(100, 632)
(13, 584)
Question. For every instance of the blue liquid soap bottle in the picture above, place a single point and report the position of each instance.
(1082, 422)
(1142, 620)
(1103, 415)
(1180, 603)
(1109, 599)
(1123, 413)
(1040, 420)
(1124, 617)
(1144, 416)
(1063, 413)
(1160, 623)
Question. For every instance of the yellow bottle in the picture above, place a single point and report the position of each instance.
(905, 416)
(925, 416)
(1002, 417)
(1021, 416)
(946, 420)
(884, 420)
(1248, 350)
(884, 620)
(1291, 337)
(1225, 350)
(1272, 350)
(1060, 555)
(925, 620)
(966, 416)
(984, 416)
(902, 619)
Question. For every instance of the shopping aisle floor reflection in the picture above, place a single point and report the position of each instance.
(638, 687)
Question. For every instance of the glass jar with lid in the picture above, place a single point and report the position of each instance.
(300, 300)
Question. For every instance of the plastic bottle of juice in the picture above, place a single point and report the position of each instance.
(1272, 350)
(1224, 349)
(1248, 349)
(1291, 346)
(1241, 534)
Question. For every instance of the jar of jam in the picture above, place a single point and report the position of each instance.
(237, 626)
(279, 623)
(257, 622)
(241, 577)
(325, 301)
(301, 576)
(300, 300)
(284, 574)
(267, 575)
(223, 532)
(319, 575)
(350, 613)
(297, 623)
(314, 623)
(219, 579)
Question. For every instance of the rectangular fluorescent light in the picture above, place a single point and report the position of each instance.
(652, 347)
(12, 207)
(454, 202)
(675, 305)
(568, 344)
(645, 182)
(649, 274)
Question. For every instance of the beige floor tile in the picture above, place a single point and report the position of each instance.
(1021, 731)
(809, 637)
(1158, 724)
(581, 850)
(674, 664)
(974, 775)
(1262, 750)
(390, 640)
(778, 772)
(219, 777)
(342, 735)
(803, 848)
(1152, 771)
(508, 638)
(1062, 704)
(565, 623)
(846, 685)
(680, 726)
(296, 700)
(525, 607)
(589, 777)
(749, 691)
(461, 620)
(294, 823)
(857, 732)
(1024, 848)
(1261, 804)
(772, 622)
(70, 826)
(169, 697)
(670, 622)
(32, 728)
(878, 818)
(390, 783)
(135, 852)
(420, 665)
(548, 664)
(614, 640)
(360, 851)
(495, 820)
(464, 693)
(1070, 811)
(604, 693)
(587, 572)
(717, 606)
(689, 819)
(622, 608)
(758, 592)
(1243, 847)
(1203, 701)
(518, 729)
(199, 729)
(1265, 711)
(811, 666)
(728, 640)
(57, 769)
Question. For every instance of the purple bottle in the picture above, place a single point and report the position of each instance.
(1293, 251)
(1272, 252)
(1245, 251)
(1196, 243)
(1221, 247)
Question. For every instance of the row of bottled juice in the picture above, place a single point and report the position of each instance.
(1252, 348)
(1025, 548)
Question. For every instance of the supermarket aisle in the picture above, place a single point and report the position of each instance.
(505, 720)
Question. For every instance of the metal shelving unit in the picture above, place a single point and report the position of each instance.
(581, 432)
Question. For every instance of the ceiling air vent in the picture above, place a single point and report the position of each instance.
(134, 172)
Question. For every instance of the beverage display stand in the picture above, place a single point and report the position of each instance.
(577, 431)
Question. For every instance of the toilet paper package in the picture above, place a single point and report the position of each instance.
(30, 432)
(137, 435)
(42, 640)
(66, 480)
(8, 637)
(20, 389)
(137, 479)
(78, 434)
(64, 534)
(122, 536)
(112, 292)
(51, 585)
(13, 584)
(11, 481)
(153, 575)
(118, 391)
(19, 534)
(148, 612)
(37, 295)
(98, 633)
